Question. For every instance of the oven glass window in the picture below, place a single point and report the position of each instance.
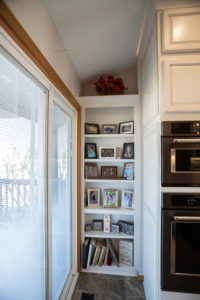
(186, 248)
(186, 160)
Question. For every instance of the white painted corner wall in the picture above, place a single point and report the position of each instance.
(34, 17)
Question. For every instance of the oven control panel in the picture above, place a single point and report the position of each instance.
(181, 201)
(181, 128)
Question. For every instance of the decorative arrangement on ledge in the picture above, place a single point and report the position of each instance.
(108, 85)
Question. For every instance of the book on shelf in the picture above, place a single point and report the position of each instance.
(97, 254)
(106, 256)
(113, 251)
(85, 249)
(102, 255)
(92, 248)
(126, 252)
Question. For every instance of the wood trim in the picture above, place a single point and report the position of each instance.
(14, 29)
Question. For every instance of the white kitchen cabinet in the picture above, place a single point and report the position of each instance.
(112, 110)
(180, 30)
(181, 88)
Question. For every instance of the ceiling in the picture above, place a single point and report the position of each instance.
(100, 36)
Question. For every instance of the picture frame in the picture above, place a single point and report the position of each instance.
(90, 170)
(109, 128)
(128, 200)
(97, 225)
(128, 151)
(126, 127)
(90, 150)
(106, 223)
(118, 152)
(107, 152)
(108, 171)
(129, 171)
(91, 128)
(110, 198)
(93, 197)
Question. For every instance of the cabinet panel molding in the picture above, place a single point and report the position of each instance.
(180, 30)
(181, 88)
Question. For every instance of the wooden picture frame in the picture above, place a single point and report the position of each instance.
(126, 127)
(107, 152)
(128, 151)
(109, 128)
(90, 170)
(91, 128)
(108, 171)
(129, 171)
(93, 197)
(90, 150)
(128, 200)
(110, 198)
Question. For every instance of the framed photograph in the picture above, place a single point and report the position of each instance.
(97, 225)
(110, 198)
(91, 128)
(128, 199)
(126, 127)
(90, 150)
(107, 152)
(90, 170)
(129, 171)
(128, 151)
(109, 128)
(93, 197)
(109, 171)
(106, 223)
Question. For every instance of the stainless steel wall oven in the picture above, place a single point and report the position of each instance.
(180, 251)
(181, 153)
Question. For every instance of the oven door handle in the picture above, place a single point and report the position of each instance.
(185, 218)
(186, 141)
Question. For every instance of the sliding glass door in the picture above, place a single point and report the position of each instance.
(35, 187)
(61, 199)
(22, 184)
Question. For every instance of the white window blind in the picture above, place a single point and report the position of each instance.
(22, 183)
(61, 200)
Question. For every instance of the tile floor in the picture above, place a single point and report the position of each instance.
(109, 287)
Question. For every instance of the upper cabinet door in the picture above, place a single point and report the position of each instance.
(181, 30)
(181, 88)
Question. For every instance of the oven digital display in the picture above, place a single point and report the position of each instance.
(185, 128)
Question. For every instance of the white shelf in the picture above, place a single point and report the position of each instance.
(112, 235)
(109, 136)
(112, 211)
(107, 180)
(121, 270)
(109, 160)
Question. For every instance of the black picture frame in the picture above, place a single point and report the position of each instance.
(90, 150)
(91, 128)
(128, 151)
(126, 127)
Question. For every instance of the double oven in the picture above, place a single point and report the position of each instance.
(180, 243)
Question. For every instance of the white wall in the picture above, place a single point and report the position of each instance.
(33, 16)
(129, 78)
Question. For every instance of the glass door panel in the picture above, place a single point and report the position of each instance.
(22, 184)
(61, 200)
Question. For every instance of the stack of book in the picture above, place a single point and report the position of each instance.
(98, 253)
